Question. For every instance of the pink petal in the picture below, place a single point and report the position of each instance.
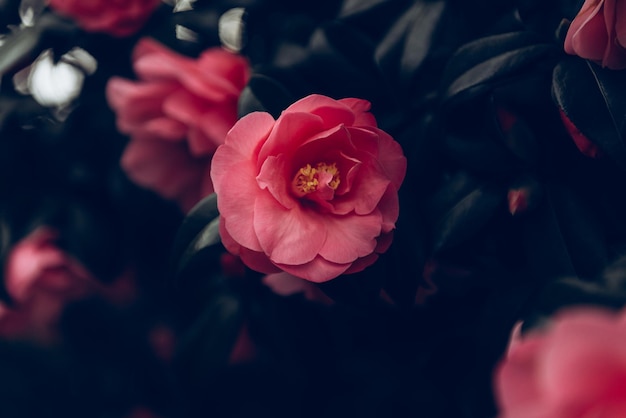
(367, 190)
(350, 236)
(620, 23)
(365, 142)
(135, 101)
(36, 264)
(287, 236)
(162, 128)
(324, 191)
(391, 158)
(275, 177)
(258, 261)
(237, 193)
(360, 108)
(362, 263)
(216, 123)
(147, 46)
(185, 107)
(384, 242)
(313, 102)
(581, 357)
(245, 138)
(229, 243)
(318, 270)
(255, 260)
(516, 387)
(586, 35)
(165, 168)
(28, 259)
(199, 144)
(329, 146)
(230, 67)
(162, 64)
(290, 131)
(389, 207)
(217, 75)
(614, 54)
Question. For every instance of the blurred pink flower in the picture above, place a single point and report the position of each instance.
(575, 369)
(598, 33)
(176, 114)
(313, 193)
(115, 17)
(40, 278)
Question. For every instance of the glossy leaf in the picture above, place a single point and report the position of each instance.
(482, 64)
(409, 41)
(591, 98)
(461, 208)
(199, 231)
(22, 47)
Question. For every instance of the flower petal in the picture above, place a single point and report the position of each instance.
(253, 259)
(586, 35)
(275, 177)
(350, 236)
(237, 192)
(362, 263)
(318, 270)
(248, 134)
(391, 158)
(360, 108)
(165, 168)
(620, 23)
(288, 236)
(289, 132)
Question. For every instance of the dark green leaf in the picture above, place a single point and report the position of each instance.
(199, 231)
(593, 99)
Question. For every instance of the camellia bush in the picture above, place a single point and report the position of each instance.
(272, 208)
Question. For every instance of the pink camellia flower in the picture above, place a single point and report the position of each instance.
(116, 17)
(40, 278)
(598, 33)
(176, 115)
(575, 369)
(313, 193)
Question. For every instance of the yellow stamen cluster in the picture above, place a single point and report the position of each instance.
(307, 181)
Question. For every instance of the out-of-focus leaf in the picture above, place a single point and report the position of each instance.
(567, 293)
(22, 47)
(545, 244)
(264, 93)
(461, 208)
(207, 344)
(482, 64)
(592, 99)
(199, 231)
(409, 40)
(582, 230)
(87, 230)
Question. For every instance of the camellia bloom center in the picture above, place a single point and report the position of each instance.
(322, 177)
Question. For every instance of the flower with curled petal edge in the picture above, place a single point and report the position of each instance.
(313, 193)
